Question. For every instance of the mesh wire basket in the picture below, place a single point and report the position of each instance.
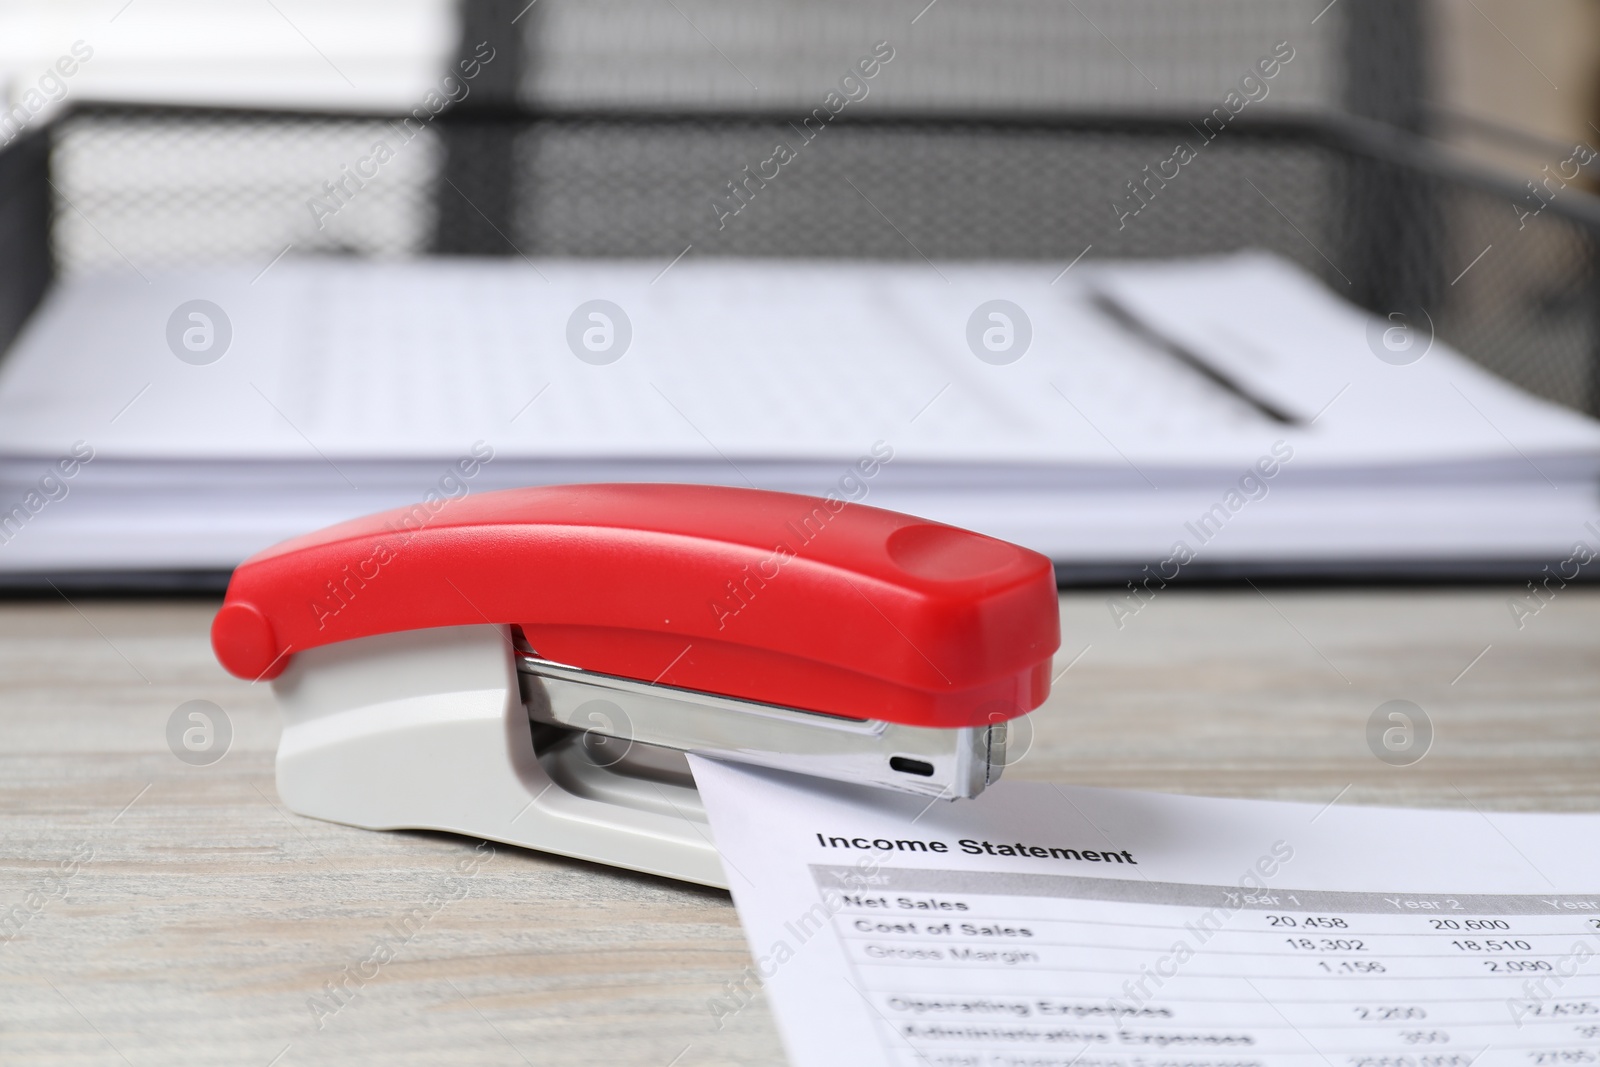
(1384, 220)
(1021, 130)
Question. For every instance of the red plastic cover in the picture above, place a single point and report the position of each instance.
(775, 597)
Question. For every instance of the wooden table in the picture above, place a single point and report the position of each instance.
(169, 914)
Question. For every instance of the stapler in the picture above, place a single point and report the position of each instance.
(530, 666)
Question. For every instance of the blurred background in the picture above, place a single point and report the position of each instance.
(1510, 85)
(1393, 147)
(1527, 67)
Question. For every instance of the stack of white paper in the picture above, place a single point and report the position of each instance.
(1275, 436)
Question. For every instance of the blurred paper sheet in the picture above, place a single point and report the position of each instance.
(345, 387)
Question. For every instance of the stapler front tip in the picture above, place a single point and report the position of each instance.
(530, 666)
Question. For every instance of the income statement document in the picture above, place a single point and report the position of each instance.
(1046, 926)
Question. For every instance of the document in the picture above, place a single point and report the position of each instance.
(1048, 926)
(1230, 409)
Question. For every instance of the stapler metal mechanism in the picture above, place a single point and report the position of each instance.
(529, 666)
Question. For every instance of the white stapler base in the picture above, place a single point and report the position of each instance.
(427, 730)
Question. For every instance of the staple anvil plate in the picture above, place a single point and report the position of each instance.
(530, 665)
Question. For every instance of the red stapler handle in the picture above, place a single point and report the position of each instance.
(773, 597)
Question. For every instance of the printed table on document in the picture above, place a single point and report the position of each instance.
(969, 968)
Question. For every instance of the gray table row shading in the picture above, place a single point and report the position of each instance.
(1190, 895)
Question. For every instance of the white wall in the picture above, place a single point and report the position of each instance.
(1532, 66)
(344, 54)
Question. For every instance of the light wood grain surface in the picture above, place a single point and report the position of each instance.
(161, 913)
